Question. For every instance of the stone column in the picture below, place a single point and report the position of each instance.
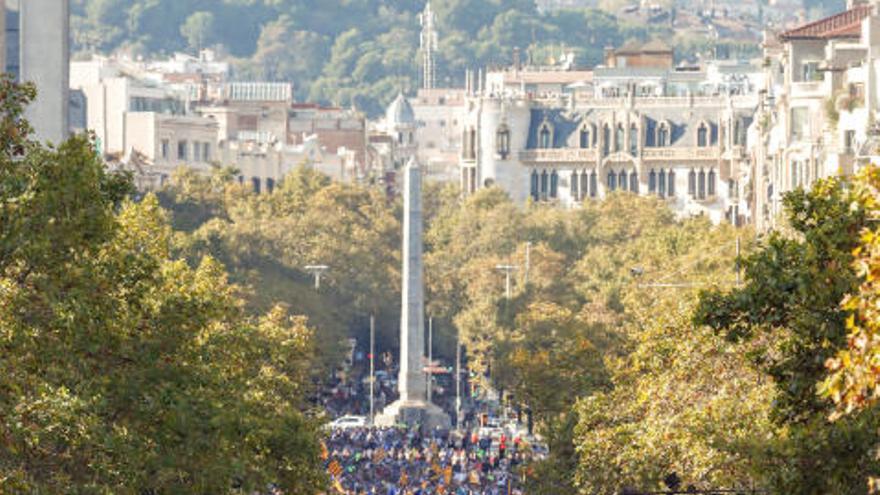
(411, 382)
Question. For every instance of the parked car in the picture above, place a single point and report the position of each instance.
(345, 422)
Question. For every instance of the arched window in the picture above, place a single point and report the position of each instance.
(670, 186)
(270, 184)
(702, 136)
(594, 184)
(606, 140)
(612, 180)
(662, 135)
(661, 184)
(633, 140)
(692, 183)
(701, 185)
(544, 184)
(585, 184)
(585, 137)
(618, 138)
(502, 141)
(731, 189)
(711, 185)
(545, 136)
(652, 181)
(736, 133)
(554, 184)
(634, 182)
(534, 184)
(621, 180)
(255, 182)
(575, 190)
(412, 138)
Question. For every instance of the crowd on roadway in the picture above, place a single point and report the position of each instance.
(400, 461)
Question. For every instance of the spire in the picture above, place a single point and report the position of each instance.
(428, 42)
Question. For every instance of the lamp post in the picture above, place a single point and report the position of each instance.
(372, 366)
(430, 355)
(508, 271)
(317, 271)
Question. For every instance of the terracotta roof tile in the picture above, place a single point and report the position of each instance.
(847, 24)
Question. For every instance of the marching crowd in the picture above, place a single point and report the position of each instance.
(398, 461)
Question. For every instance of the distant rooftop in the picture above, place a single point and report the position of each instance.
(847, 24)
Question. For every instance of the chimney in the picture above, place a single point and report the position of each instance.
(609, 57)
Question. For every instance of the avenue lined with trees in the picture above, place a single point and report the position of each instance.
(169, 343)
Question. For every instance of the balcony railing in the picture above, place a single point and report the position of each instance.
(690, 153)
(569, 155)
(559, 155)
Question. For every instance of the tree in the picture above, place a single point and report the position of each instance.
(790, 309)
(198, 29)
(854, 371)
(125, 370)
(683, 401)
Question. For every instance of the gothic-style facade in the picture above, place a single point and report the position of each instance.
(688, 150)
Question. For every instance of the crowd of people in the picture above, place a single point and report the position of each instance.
(400, 461)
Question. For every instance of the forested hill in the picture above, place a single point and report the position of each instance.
(347, 52)
(362, 52)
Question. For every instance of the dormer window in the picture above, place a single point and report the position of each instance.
(663, 134)
(502, 142)
(545, 136)
(703, 135)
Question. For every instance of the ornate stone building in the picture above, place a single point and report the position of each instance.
(687, 150)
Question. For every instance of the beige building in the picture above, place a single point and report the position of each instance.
(817, 117)
(438, 113)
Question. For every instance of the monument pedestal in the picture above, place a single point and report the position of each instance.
(414, 413)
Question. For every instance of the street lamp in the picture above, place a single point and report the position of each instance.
(508, 271)
(317, 271)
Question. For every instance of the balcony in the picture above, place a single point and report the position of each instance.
(560, 155)
(681, 154)
(811, 89)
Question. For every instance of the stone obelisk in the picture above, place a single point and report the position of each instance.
(412, 408)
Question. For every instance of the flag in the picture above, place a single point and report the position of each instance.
(335, 469)
(474, 478)
(447, 475)
(378, 455)
(325, 454)
(338, 487)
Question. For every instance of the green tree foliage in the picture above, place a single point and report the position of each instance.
(125, 370)
(579, 322)
(198, 29)
(266, 240)
(347, 52)
(789, 310)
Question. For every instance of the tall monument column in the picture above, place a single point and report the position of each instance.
(411, 382)
(413, 408)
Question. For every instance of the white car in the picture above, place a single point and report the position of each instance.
(345, 422)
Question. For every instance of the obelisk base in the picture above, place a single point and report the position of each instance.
(422, 414)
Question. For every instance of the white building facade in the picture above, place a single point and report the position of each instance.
(567, 150)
